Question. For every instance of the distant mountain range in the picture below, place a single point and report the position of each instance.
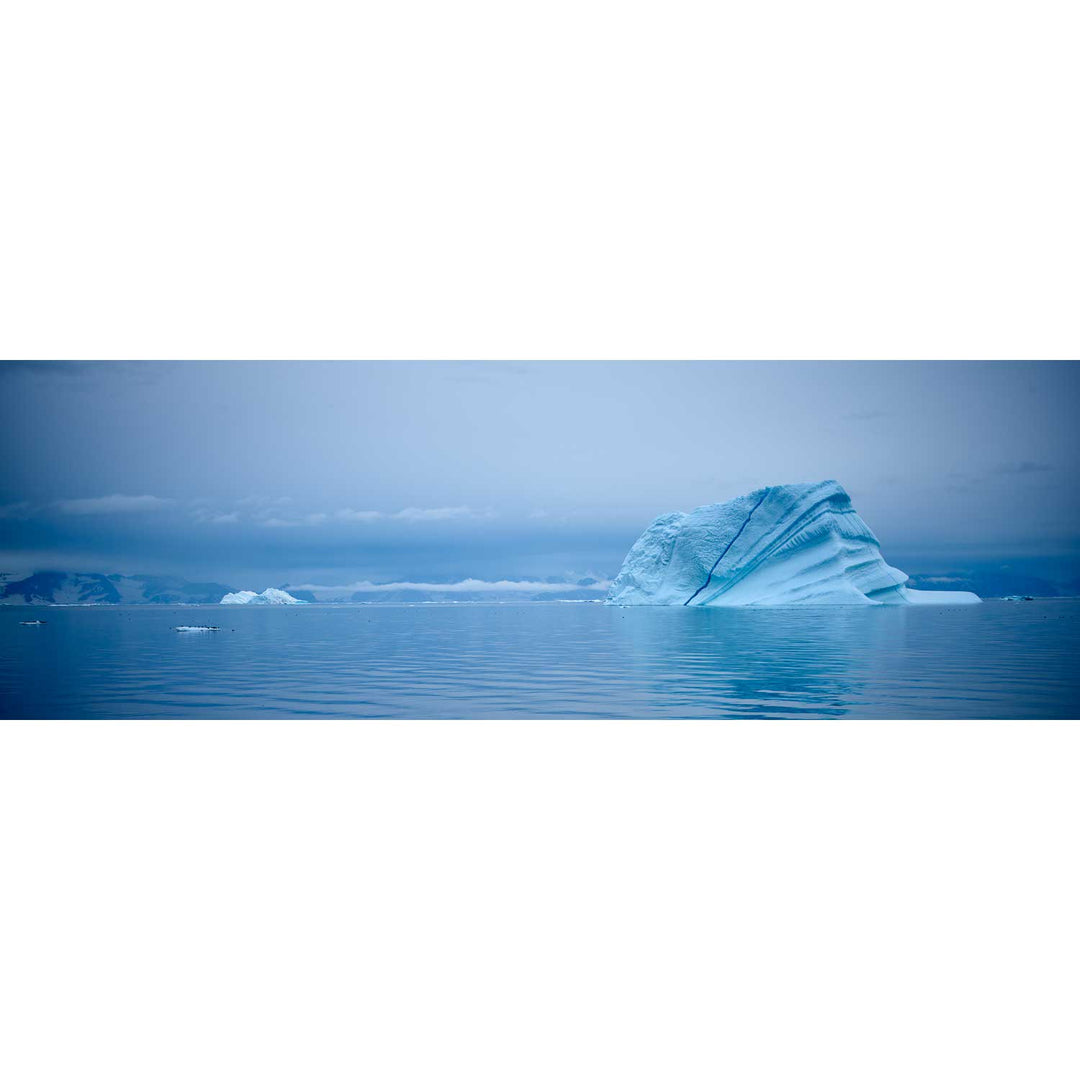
(994, 583)
(59, 587)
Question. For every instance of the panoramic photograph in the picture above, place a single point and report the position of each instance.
(571, 539)
(539, 541)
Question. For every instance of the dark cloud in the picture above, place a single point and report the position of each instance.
(1022, 468)
(47, 369)
(16, 511)
(867, 414)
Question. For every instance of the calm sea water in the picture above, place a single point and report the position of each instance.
(543, 660)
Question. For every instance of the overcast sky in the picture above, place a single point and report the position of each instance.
(259, 473)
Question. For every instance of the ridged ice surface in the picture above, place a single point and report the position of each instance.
(787, 544)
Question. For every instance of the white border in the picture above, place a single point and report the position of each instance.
(561, 180)
(539, 899)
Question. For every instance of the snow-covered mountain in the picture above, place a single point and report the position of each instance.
(60, 587)
(267, 596)
(788, 544)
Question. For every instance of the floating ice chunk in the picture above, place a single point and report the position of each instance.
(933, 596)
(195, 629)
(788, 544)
(267, 596)
(33, 622)
(278, 596)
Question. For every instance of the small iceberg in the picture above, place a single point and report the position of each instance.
(195, 629)
(267, 596)
(33, 622)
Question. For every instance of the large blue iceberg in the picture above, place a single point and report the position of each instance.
(788, 544)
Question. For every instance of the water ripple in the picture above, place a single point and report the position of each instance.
(547, 660)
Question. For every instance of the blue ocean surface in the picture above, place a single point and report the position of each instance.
(550, 660)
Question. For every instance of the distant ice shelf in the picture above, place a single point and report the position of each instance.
(787, 544)
(267, 596)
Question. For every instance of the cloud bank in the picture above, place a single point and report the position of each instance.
(469, 585)
(112, 504)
